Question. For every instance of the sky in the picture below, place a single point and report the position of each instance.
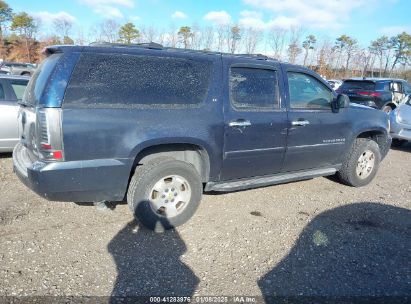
(365, 20)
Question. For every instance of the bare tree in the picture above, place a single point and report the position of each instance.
(276, 38)
(149, 33)
(220, 38)
(161, 37)
(208, 34)
(172, 36)
(81, 39)
(197, 37)
(108, 31)
(294, 44)
(251, 40)
(62, 27)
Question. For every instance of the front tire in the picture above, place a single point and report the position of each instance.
(164, 193)
(361, 164)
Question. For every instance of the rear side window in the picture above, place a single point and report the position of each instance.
(39, 79)
(252, 88)
(358, 85)
(124, 80)
(19, 86)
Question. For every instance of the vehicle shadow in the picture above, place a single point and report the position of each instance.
(405, 147)
(358, 253)
(6, 155)
(149, 264)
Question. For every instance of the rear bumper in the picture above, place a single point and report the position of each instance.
(73, 181)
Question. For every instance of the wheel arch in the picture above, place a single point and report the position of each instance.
(380, 136)
(192, 153)
(389, 103)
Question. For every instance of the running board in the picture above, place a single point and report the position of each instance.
(255, 182)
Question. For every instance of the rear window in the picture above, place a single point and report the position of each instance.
(39, 79)
(126, 80)
(358, 85)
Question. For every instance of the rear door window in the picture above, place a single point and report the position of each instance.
(126, 80)
(252, 88)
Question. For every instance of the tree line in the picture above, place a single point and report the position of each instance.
(21, 40)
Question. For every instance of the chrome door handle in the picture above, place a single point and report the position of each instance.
(239, 123)
(300, 123)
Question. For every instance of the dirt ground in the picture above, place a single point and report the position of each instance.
(309, 238)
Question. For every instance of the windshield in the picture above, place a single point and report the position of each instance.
(358, 85)
(38, 81)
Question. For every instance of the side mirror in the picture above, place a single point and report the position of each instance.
(342, 101)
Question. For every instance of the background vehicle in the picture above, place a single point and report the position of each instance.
(400, 126)
(174, 122)
(11, 91)
(17, 68)
(335, 83)
(379, 93)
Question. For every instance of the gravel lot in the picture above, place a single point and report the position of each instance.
(315, 237)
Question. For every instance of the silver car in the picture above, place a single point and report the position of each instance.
(17, 68)
(400, 119)
(11, 91)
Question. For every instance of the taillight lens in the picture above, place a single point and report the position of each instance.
(366, 93)
(49, 136)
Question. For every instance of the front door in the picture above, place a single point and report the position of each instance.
(255, 119)
(316, 135)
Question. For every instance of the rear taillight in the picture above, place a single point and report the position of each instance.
(49, 136)
(366, 93)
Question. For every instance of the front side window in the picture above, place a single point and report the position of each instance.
(252, 88)
(126, 80)
(306, 92)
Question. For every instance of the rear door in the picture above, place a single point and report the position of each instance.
(316, 135)
(255, 118)
(8, 116)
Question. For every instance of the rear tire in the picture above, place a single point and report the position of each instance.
(164, 193)
(361, 164)
(387, 109)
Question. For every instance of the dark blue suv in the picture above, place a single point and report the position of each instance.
(158, 126)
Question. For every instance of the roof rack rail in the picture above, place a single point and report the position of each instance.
(258, 56)
(148, 45)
